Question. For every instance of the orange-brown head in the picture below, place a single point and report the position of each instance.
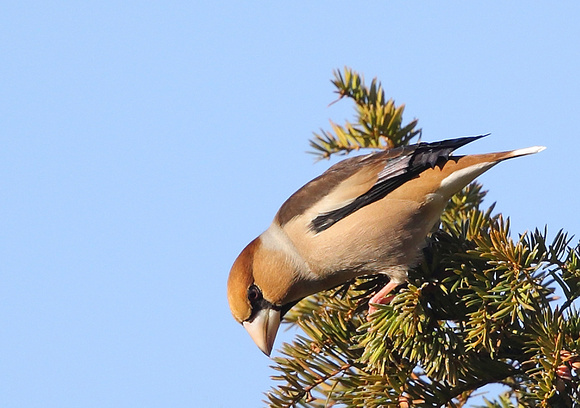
(259, 281)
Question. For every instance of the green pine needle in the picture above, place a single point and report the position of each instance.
(480, 308)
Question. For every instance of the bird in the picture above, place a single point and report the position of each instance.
(368, 214)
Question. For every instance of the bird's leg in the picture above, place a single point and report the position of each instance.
(381, 296)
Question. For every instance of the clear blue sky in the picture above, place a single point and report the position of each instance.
(143, 144)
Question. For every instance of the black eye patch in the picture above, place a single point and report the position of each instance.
(258, 303)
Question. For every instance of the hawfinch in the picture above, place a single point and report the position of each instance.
(365, 215)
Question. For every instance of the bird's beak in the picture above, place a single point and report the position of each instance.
(263, 329)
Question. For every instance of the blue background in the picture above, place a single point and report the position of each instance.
(144, 144)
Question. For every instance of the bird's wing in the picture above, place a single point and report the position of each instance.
(357, 182)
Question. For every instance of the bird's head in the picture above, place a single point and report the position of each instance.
(258, 286)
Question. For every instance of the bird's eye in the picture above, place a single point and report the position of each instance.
(254, 293)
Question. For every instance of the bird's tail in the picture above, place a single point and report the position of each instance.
(522, 152)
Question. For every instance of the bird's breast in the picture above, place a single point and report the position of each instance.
(374, 239)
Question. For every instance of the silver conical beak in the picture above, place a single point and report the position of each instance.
(263, 329)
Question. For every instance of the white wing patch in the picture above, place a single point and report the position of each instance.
(394, 168)
(456, 180)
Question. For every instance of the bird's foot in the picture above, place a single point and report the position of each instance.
(382, 301)
(381, 298)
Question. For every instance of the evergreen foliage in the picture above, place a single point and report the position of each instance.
(378, 124)
(480, 308)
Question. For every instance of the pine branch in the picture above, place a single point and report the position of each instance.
(379, 122)
(480, 308)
